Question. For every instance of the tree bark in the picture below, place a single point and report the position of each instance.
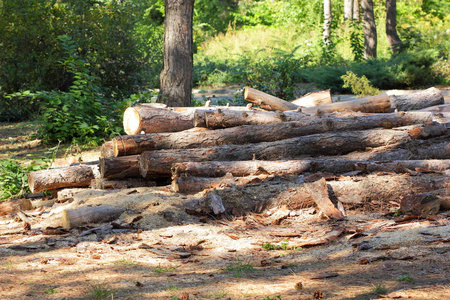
(348, 9)
(330, 143)
(119, 167)
(53, 179)
(356, 10)
(72, 218)
(267, 101)
(136, 144)
(419, 100)
(126, 183)
(328, 17)
(176, 75)
(297, 167)
(391, 26)
(420, 204)
(370, 30)
(107, 150)
(374, 104)
(314, 99)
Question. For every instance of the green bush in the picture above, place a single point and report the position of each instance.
(360, 85)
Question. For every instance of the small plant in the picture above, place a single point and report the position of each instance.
(379, 289)
(405, 278)
(239, 268)
(163, 269)
(125, 262)
(99, 292)
(173, 288)
(50, 291)
(360, 85)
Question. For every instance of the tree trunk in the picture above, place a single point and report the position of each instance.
(419, 100)
(53, 179)
(136, 144)
(391, 26)
(267, 101)
(314, 99)
(348, 9)
(370, 30)
(356, 10)
(176, 75)
(119, 167)
(330, 143)
(327, 22)
(374, 104)
(72, 218)
(297, 167)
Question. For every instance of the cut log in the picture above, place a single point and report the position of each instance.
(297, 167)
(319, 191)
(441, 113)
(420, 205)
(314, 99)
(101, 183)
(267, 101)
(419, 100)
(330, 143)
(374, 104)
(13, 206)
(53, 179)
(72, 218)
(150, 119)
(119, 167)
(136, 144)
(107, 150)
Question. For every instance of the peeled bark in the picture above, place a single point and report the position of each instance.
(53, 179)
(331, 143)
(13, 206)
(119, 167)
(136, 144)
(267, 101)
(314, 99)
(319, 190)
(72, 218)
(370, 29)
(374, 104)
(419, 100)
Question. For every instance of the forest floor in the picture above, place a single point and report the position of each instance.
(157, 250)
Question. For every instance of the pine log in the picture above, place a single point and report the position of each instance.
(297, 167)
(441, 113)
(72, 218)
(101, 183)
(107, 150)
(420, 204)
(267, 101)
(330, 143)
(119, 167)
(53, 179)
(374, 104)
(314, 99)
(419, 100)
(136, 144)
(13, 206)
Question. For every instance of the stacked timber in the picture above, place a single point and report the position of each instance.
(210, 147)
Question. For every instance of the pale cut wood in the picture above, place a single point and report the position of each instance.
(136, 144)
(297, 167)
(314, 99)
(72, 218)
(418, 100)
(13, 206)
(319, 191)
(107, 150)
(420, 204)
(159, 162)
(119, 167)
(374, 104)
(53, 179)
(267, 101)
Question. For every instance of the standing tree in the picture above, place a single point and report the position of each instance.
(391, 26)
(370, 30)
(176, 75)
(348, 9)
(356, 10)
(327, 22)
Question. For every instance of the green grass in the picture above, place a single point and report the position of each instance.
(239, 269)
(99, 291)
(379, 289)
(164, 269)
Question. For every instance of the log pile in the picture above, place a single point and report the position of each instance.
(349, 148)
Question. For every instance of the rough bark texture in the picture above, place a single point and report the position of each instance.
(314, 99)
(176, 75)
(72, 218)
(104, 184)
(53, 179)
(136, 144)
(420, 204)
(375, 104)
(331, 143)
(370, 30)
(419, 100)
(267, 101)
(391, 26)
(119, 167)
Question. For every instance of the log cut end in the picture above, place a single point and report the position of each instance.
(131, 121)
